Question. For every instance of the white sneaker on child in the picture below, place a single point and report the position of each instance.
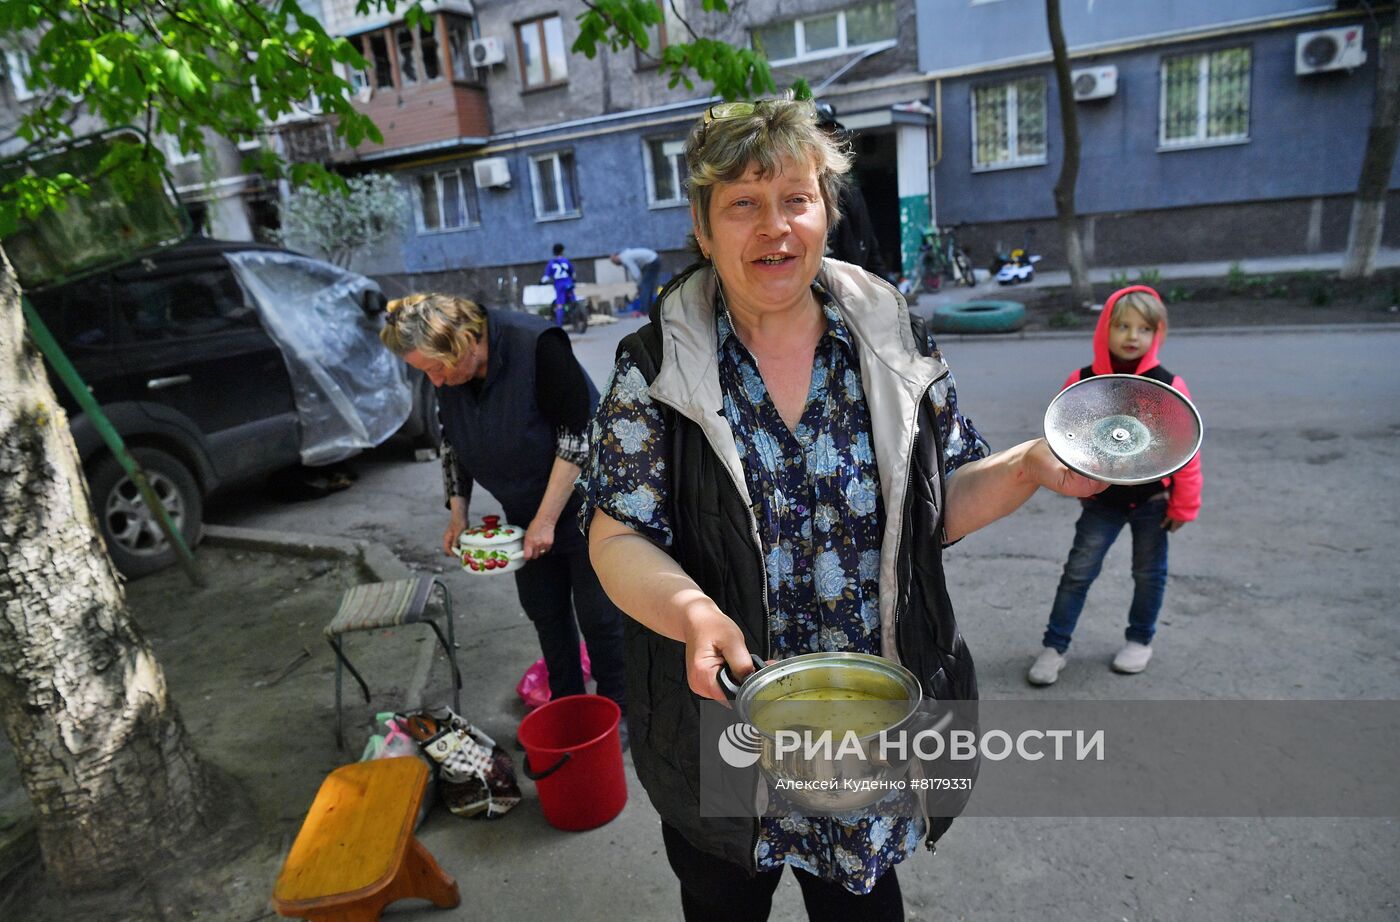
(1046, 668)
(1133, 658)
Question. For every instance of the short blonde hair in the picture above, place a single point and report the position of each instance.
(724, 149)
(1151, 308)
(438, 326)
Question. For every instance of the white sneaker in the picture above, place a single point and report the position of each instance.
(1046, 668)
(1132, 658)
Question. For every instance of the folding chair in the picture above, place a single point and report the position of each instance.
(372, 606)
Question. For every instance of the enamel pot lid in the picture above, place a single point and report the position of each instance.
(1123, 429)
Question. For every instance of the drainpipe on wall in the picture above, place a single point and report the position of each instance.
(936, 139)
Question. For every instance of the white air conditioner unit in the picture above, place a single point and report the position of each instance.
(492, 172)
(486, 51)
(1329, 49)
(1094, 82)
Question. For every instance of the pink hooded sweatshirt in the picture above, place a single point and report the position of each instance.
(1184, 487)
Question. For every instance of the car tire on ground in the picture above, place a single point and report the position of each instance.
(979, 317)
(131, 531)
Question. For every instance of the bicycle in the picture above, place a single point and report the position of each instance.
(575, 315)
(940, 256)
(960, 264)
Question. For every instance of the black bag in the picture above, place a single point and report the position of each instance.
(476, 777)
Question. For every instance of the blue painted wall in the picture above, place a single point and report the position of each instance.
(1307, 136)
(613, 212)
(965, 33)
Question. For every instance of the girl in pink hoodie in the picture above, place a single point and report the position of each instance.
(1126, 341)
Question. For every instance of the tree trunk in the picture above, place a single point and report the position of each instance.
(102, 752)
(1368, 210)
(1081, 291)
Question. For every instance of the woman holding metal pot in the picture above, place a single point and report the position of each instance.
(772, 473)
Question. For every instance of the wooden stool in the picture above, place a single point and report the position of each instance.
(356, 852)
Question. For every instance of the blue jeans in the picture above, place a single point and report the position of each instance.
(562, 597)
(1094, 534)
(646, 285)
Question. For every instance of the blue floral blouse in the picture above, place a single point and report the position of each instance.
(816, 494)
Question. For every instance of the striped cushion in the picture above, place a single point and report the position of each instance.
(376, 605)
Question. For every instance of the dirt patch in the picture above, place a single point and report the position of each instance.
(250, 672)
(1239, 299)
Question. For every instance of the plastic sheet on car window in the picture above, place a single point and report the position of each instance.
(351, 393)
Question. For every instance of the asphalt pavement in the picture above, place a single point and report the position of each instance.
(1284, 589)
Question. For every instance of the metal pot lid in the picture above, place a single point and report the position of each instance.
(1123, 429)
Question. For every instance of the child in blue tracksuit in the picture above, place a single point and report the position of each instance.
(561, 272)
(1129, 333)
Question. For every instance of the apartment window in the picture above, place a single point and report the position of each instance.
(377, 51)
(459, 37)
(17, 70)
(670, 30)
(543, 60)
(553, 177)
(1008, 124)
(828, 34)
(665, 162)
(358, 80)
(446, 201)
(1205, 98)
(408, 63)
(432, 56)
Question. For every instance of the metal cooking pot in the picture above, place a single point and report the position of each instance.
(795, 695)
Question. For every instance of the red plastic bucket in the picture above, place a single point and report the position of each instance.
(574, 756)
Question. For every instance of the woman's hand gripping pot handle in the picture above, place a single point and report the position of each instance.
(729, 684)
(457, 524)
(647, 583)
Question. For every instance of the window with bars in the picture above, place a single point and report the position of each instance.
(1008, 124)
(543, 59)
(665, 162)
(445, 201)
(1205, 98)
(553, 179)
(827, 34)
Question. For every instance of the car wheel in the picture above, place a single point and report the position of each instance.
(132, 532)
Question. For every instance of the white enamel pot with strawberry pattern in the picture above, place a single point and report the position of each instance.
(492, 547)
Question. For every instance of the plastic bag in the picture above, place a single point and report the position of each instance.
(391, 740)
(533, 687)
(350, 392)
(476, 777)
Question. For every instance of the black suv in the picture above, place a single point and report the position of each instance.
(180, 363)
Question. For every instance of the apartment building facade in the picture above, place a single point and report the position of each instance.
(506, 142)
(1209, 131)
